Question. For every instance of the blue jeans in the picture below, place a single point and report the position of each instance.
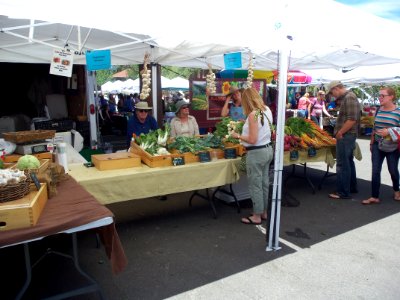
(302, 113)
(392, 160)
(346, 177)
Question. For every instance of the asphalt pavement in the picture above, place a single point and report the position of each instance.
(331, 249)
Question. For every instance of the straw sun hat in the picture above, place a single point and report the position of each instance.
(143, 105)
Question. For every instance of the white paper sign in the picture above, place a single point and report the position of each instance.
(61, 63)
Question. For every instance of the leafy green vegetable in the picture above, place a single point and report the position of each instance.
(195, 144)
(27, 162)
(152, 141)
(211, 141)
(222, 129)
(299, 126)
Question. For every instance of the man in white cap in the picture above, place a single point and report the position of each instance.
(234, 110)
(346, 131)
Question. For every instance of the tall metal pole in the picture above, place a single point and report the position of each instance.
(273, 241)
(92, 108)
(275, 218)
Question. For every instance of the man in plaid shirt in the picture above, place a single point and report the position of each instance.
(346, 131)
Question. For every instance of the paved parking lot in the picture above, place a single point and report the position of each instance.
(331, 249)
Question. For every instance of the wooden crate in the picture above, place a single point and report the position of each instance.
(188, 156)
(24, 212)
(14, 157)
(219, 152)
(44, 155)
(192, 158)
(118, 160)
(150, 160)
(44, 164)
(240, 149)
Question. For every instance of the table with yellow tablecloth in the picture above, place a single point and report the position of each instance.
(322, 155)
(325, 154)
(143, 182)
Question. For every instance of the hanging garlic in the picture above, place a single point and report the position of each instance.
(250, 75)
(210, 80)
(146, 78)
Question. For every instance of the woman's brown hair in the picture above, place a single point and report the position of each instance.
(251, 100)
(390, 91)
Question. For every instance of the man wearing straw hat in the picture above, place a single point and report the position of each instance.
(141, 121)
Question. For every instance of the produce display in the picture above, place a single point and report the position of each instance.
(301, 134)
(226, 127)
(159, 143)
(367, 121)
(154, 142)
(195, 144)
(11, 176)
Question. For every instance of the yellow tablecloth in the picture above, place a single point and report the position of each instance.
(143, 182)
(326, 154)
(322, 155)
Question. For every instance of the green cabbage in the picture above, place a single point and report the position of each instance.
(28, 162)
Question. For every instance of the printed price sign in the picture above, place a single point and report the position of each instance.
(62, 63)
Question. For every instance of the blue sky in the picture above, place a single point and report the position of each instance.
(389, 9)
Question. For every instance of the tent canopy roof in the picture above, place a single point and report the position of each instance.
(309, 29)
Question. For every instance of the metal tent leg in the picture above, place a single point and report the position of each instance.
(92, 287)
(208, 198)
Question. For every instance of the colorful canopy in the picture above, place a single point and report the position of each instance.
(294, 77)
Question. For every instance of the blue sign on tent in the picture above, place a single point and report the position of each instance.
(98, 60)
(233, 60)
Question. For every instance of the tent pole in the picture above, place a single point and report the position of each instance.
(273, 242)
(154, 90)
(90, 100)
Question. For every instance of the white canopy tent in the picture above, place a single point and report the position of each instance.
(381, 74)
(281, 35)
(119, 86)
(133, 86)
(177, 83)
(320, 41)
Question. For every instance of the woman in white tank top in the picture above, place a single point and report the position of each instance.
(256, 137)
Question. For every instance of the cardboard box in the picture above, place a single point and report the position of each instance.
(119, 160)
(150, 160)
(24, 212)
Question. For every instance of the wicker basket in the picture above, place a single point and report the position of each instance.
(20, 137)
(15, 191)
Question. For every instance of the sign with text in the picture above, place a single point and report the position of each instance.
(62, 63)
(215, 104)
(233, 60)
(98, 60)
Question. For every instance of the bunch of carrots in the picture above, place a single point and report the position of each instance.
(302, 133)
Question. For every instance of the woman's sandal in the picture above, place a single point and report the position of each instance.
(396, 196)
(335, 195)
(370, 201)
